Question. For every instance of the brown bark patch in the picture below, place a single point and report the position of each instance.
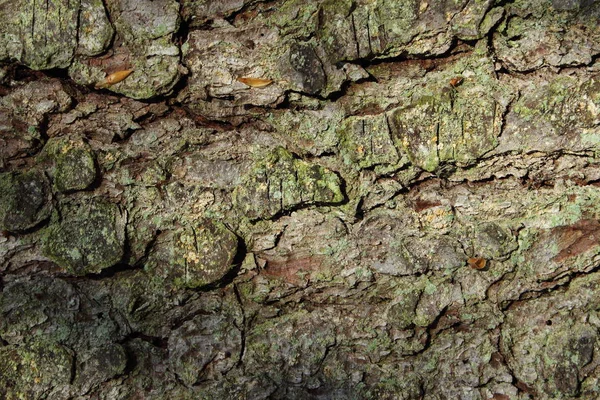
(293, 270)
(421, 204)
(576, 239)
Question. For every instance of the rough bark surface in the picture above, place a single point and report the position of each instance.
(322, 199)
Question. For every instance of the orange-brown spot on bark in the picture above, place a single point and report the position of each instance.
(522, 386)
(370, 109)
(456, 81)
(114, 78)
(497, 360)
(477, 263)
(255, 82)
(420, 204)
(293, 270)
(498, 396)
(576, 239)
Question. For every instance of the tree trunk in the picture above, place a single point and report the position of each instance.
(322, 199)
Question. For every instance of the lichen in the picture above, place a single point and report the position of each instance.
(281, 182)
(194, 256)
(24, 200)
(75, 165)
(41, 35)
(27, 372)
(87, 237)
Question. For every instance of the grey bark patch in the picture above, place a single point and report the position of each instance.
(35, 101)
(18, 139)
(538, 35)
(99, 365)
(368, 297)
(199, 12)
(24, 200)
(297, 344)
(308, 67)
(571, 4)
(95, 29)
(562, 109)
(217, 58)
(493, 242)
(145, 31)
(313, 130)
(204, 348)
(140, 21)
(402, 313)
(89, 237)
(37, 308)
(476, 19)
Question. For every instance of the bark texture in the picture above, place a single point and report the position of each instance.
(322, 199)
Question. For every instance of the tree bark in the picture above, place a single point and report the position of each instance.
(323, 199)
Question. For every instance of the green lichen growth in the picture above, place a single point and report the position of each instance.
(397, 18)
(87, 238)
(95, 31)
(402, 314)
(366, 142)
(75, 169)
(547, 102)
(294, 19)
(447, 127)
(281, 182)
(41, 35)
(99, 365)
(207, 255)
(313, 130)
(27, 372)
(148, 43)
(565, 110)
(24, 200)
(194, 256)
